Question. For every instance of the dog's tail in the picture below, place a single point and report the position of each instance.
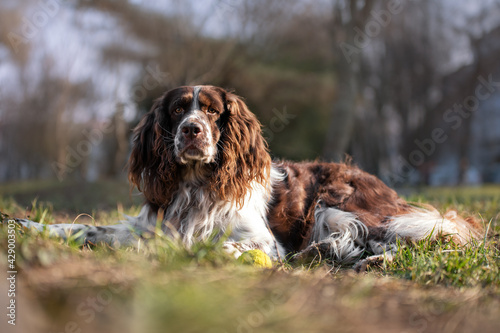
(427, 223)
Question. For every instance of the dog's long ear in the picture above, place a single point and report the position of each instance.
(142, 147)
(151, 165)
(244, 157)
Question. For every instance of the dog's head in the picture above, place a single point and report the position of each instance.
(201, 134)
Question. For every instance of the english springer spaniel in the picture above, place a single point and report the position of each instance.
(200, 159)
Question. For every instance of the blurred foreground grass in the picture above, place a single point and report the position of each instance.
(161, 287)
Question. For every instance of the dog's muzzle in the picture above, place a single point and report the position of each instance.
(193, 141)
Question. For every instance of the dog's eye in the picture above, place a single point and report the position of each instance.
(212, 110)
(178, 110)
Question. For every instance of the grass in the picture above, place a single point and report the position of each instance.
(68, 197)
(162, 287)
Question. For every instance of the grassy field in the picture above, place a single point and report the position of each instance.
(161, 287)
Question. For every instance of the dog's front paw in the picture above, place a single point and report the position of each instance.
(6, 219)
(372, 261)
(27, 224)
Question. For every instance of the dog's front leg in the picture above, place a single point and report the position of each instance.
(254, 235)
(125, 233)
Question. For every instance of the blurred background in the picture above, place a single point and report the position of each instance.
(409, 89)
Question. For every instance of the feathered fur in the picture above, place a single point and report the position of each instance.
(199, 155)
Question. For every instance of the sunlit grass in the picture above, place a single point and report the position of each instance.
(482, 202)
(476, 265)
(162, 286)
(424, 262)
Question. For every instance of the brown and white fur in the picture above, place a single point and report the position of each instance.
(199, 157)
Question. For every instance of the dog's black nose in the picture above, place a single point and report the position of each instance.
(191, 130)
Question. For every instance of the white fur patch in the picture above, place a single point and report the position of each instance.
(424, 223)
(146, 218)
(198, 214)
(344, 233)
(196, 94)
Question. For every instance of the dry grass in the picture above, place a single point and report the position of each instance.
(162, 287)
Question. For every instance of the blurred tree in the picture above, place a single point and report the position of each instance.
(116, 144)
(270, 59)
(10, 21)
(348, 17)
(393, 69)
(35, 110)
(388, 80)
(38, 130)
(172, 47)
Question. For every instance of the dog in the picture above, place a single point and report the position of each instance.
(199, 157)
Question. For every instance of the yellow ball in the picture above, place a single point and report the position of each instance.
(256, 258)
